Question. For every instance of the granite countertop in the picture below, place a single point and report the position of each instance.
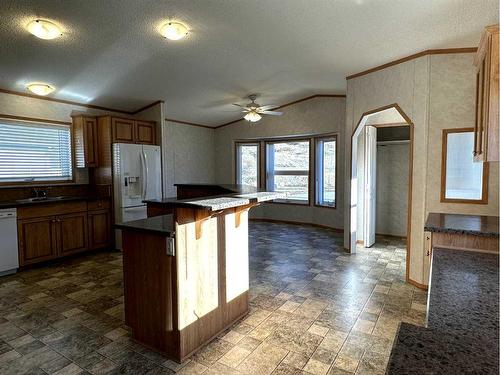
(230, 188)
(463, 327)
(485, 226)
(49, 200)
(163, 225)
(220, 202)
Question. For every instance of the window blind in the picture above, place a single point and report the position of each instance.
(34, 152)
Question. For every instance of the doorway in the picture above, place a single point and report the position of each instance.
(374, 207)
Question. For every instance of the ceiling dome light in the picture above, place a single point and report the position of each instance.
(252, 116)
(40, 88)
(44, 29)
(174, 30)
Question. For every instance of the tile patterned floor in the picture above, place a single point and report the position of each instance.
(314, 310)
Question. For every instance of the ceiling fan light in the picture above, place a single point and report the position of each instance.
(174, 30)
(252, 116)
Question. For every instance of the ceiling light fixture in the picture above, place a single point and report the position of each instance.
(174, 30)
(252, 116)
(44, 29)
(40, 88)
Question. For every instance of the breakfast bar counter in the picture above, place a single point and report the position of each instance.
(186, 269)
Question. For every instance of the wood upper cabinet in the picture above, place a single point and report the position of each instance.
(123, 130)
(145, 132)
(99, 224)
(133, 131)
(37, 239)
(72, 232)
(486, 129)
(85, 132)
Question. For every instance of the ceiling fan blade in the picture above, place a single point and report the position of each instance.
(267, 107)
(272, 113)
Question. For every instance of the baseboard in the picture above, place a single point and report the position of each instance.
(338, 230)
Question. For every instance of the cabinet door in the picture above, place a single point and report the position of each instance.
(145, 132)
(90, 129)
(123, 130)
(72, 233)
(99, 229)
(37, 240)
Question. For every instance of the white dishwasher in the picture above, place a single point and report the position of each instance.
(9, 258)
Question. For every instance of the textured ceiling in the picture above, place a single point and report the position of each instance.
(112, 55)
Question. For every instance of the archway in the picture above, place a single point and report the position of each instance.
(388, 116)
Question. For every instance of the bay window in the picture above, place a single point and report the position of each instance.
(247, 164)
(325, 171)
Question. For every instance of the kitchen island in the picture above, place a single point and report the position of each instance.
(186, 269)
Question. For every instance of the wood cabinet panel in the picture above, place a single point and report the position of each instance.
(36, 240)
(145, 132)
(72, 233)
(99, 224)
(85, 133)
(123, 130)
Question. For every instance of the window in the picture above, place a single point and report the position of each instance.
(462, 180)
(287, 169)
(34, 152)
(247, 164)
(325, 171)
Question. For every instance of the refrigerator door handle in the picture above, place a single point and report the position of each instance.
(147, 174)
(143, 176)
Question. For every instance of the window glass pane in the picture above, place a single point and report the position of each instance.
(464, 178)
(34, 152)
(297, 187)
(291, 156)
(248, 165)
(325, 171)
(288, 169)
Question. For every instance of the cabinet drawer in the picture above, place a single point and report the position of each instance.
(99, 204)
(51, 209)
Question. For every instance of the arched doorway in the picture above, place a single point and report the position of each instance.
(388, 116)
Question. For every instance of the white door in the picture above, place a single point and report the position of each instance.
(370, 190)
(152, 165)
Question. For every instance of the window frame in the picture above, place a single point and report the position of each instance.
(309, 173)
(237, 144)
(322, 138)
(35, 183)
(444, 155)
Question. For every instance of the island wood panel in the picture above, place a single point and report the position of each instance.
(158, 209)
(150, 291)
(465, 242)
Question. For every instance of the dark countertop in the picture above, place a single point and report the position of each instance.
(485, 226)
(219, 202)
(463, 327)
(49, 200)
(163, 225)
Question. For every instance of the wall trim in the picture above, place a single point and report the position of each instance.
(442, 51)
(34, 119)
(148, 106)
(337, 230)
(189, 123)
(288, 104)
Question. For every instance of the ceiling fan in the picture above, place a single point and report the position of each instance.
(255, 111)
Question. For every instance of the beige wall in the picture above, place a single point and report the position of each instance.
(315, 116)
(435, 91)
(189, 155)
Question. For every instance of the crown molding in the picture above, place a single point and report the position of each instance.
(442, 51)
(189, 123)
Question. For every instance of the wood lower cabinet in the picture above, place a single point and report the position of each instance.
(55, 230)
(99, 224)
(37, 239)
(72, 231)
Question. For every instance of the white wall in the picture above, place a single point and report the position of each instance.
(189, 155)
(436, 92)
(315, 116)
(392, 188)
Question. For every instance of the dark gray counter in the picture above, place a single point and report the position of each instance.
(463, 327)
(49, 200)
(163, 225)
(475, 225)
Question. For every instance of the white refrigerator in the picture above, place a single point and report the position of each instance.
(136, 177)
